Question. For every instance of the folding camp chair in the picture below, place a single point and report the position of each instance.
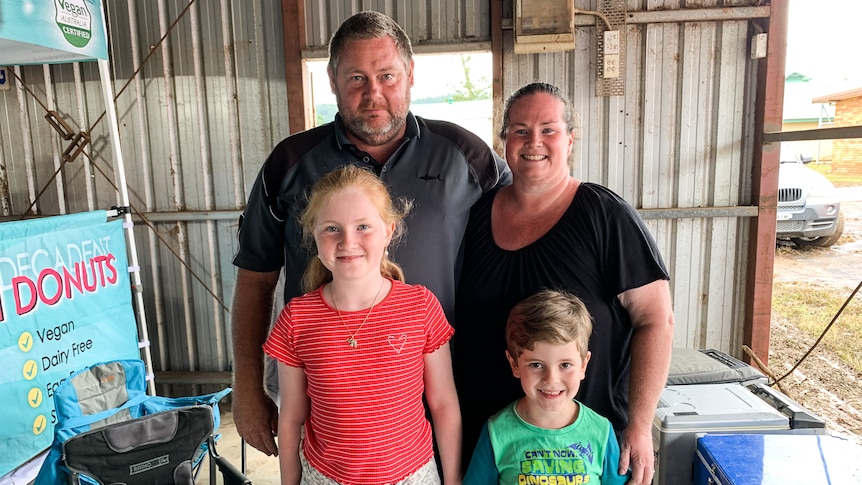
(230, 474)
(162, 448)
(109, 431)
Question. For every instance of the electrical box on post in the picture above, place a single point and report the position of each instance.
(544, 26)
(758, 46)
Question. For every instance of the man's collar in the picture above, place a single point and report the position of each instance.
(411, 130)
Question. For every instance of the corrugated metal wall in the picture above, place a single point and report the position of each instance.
(196, 123)
(427, 22)
(674, 147)
(209, 104)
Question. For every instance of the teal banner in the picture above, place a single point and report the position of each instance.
(65, 304)
(41, 32)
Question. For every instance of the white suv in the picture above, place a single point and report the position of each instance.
(808, 205)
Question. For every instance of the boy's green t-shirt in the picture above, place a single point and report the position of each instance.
(585, 452)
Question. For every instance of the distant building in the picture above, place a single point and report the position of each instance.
(846, 153)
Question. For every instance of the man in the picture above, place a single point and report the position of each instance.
(443, 168)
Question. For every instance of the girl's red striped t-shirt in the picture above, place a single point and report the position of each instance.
(367, 423)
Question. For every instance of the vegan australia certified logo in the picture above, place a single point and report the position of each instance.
(74, 20)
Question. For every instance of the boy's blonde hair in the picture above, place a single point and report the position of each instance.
(550, 316)
(339, 180)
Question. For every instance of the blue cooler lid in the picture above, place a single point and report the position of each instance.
(781, 459)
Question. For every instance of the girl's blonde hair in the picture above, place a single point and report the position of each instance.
(351, 177)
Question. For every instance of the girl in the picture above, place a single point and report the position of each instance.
(357, 351)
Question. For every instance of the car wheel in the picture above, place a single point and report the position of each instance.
(823, 241)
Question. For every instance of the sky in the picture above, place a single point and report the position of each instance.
(824, 41)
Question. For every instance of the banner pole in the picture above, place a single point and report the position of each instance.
(120, 175)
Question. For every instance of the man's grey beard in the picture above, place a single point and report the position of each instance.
(377, 136)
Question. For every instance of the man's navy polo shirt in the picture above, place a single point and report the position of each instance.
(440, 166)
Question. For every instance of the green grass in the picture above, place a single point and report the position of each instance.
(837, 179)
(812, 307)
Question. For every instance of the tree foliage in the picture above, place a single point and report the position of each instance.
(471, 88)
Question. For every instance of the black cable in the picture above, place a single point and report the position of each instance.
(822, 334)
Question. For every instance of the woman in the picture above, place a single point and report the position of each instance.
(550, 230)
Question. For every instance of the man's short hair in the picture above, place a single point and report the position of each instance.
(369, 25)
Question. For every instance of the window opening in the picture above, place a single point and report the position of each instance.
(453, 87)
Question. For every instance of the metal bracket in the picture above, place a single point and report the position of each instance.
(59, 125)
(122, 210)
(79, 141)
(611, 61)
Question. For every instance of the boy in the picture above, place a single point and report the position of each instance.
(547, 436)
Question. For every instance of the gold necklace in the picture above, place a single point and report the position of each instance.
(351, 339)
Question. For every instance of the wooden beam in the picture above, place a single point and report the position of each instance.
(709, 14)
(768, 118)
(833, 133)
(293, 26)
(497, 70)
(194, 377)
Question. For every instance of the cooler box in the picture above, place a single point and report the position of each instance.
(709, 366)
(688, 410)
(776, 459)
